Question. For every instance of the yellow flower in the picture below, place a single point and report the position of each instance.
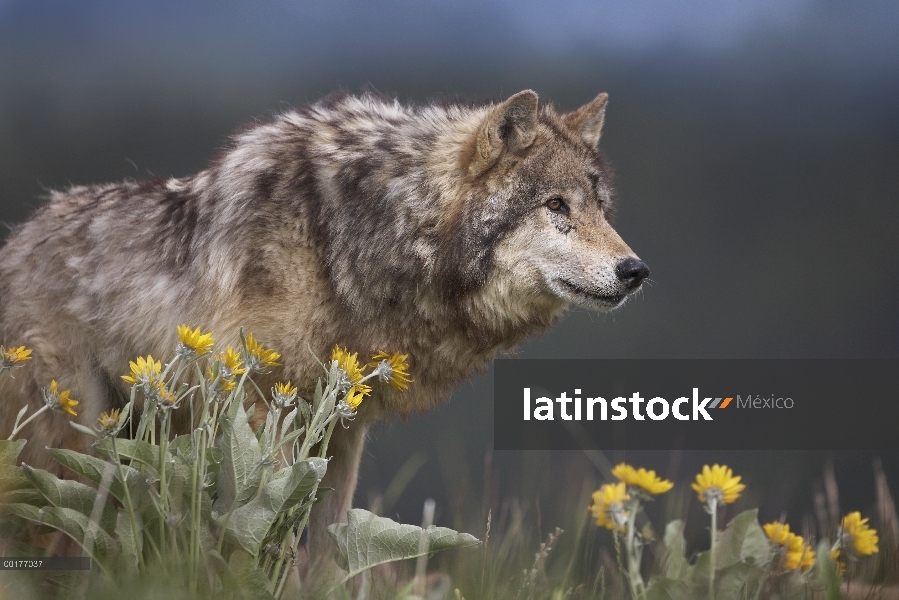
(354, 397)
(779, 533)
(718, 483)
(393, 369)
(641, 478)
(145, 372)
(58, 400)
(802, 557)
(230, 366)
(109, 422)
(194, 341)
(166, 398)
(259, 357)
(608, 506)
(9, 357)
(283, 394)
(285, 389)
(350, 365)
(348, 362)
(798, 554)
(855, 531)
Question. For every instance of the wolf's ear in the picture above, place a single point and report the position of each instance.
(587, 120)
(510, 126)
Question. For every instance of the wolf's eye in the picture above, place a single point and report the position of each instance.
(557, 205)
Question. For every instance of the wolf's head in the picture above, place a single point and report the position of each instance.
(540, 201)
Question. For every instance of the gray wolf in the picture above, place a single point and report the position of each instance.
(445, 232)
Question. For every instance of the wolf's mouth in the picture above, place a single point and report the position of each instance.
(610, 300)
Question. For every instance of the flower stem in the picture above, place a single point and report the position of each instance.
(27, 421)
(713, 507)
(634, 552)
(322, 453)
(128, 505)
(163, 488)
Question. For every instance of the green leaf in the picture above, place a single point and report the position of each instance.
(738, 581)
(67, 493)
(317, 396)
(827, 572)
(287, 421)
(179, 482)
(10, 476)
(250, 580)
(304, 413)
(183, 445)
(677, 567)
(9, 451)
(130, 547)
(367, 540)
(240, 474)
(250, 523)
(94, 469)
(744, 540)
(289, 438)
(28, 495)
(84, 430)
(794, 586)
(662, 588)
(742, 559)
(73, 524)
(139, 451)
(182, 448)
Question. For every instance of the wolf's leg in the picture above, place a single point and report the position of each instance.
(345, 451)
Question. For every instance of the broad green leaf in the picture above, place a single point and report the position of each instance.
(179, 484)
(67, 493)
(137, 450)
(28, 495)
(738, 581)
(744, 540)
(9, 451)
(677, 566)
(250, 523)
(367, 540)
(662, 588)
(827, 572)
(795, 586)
(10, 476)
(94, 469)
(221, 567)
(130, 547)
(240, 473)
(96, 542)
(182, 444)
(250, 580)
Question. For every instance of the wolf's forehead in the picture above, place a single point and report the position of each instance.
(558, 158)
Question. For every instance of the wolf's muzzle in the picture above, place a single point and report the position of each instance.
(631, 272)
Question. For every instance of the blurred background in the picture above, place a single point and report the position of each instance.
(756, 152)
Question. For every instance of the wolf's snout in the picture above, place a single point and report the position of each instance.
(631, 272)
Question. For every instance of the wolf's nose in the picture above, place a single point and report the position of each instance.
(632, 272)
